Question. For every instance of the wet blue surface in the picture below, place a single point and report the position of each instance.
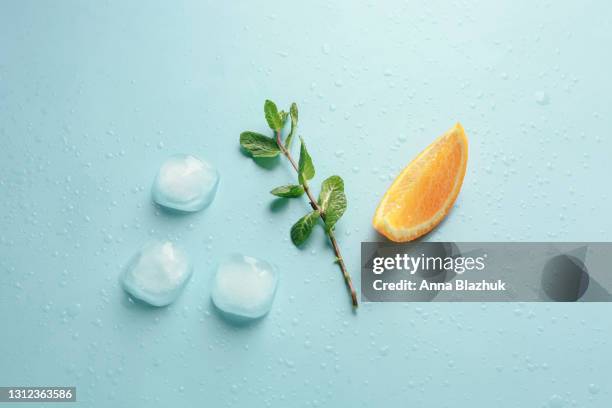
(94, 96)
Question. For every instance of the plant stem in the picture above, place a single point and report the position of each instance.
(330, 233)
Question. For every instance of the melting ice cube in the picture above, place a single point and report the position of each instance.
(244, 287)
(185, 183)
(157, 273)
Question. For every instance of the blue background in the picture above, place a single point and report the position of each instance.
(94, 95)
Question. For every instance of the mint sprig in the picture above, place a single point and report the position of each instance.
(331, 204)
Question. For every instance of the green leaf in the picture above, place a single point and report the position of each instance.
(283, 116)
(259, 145)
(306, 170)
(288, 191)
(332, 200)
(272, 116)
(301, 230)
(293, 111)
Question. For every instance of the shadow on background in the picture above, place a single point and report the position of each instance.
(268, 163)
(278, 204)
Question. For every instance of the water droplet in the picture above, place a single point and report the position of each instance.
(593, 389)
(555, 401)
(74, 310)
(541, 98)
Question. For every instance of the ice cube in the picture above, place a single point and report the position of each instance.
(157, 273)
(185, 183)
(244, 287)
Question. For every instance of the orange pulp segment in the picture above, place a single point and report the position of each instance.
(425, 191)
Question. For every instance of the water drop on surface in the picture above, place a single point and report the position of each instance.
(541, 98)
(555, 401)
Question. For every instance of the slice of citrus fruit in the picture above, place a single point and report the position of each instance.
(424, 192)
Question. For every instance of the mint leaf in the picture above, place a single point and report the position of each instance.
(259, 145)
(332, 200)
(306, 170)
(301, 230)
(293, 111)
(272, 116)
(283, 117)
(288, 191)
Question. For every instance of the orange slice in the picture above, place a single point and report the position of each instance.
(425, 191)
